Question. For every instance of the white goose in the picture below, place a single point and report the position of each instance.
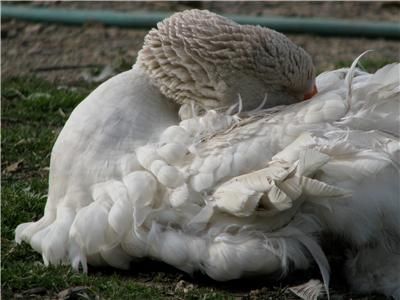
(154, 163)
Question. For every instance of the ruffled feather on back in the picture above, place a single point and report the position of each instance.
(231, 195)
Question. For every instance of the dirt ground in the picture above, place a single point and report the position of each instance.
(68, 54)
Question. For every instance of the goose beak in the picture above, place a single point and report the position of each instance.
(311, 93)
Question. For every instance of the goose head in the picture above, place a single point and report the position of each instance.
(198, 57)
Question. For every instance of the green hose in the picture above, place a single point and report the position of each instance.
(325, 27)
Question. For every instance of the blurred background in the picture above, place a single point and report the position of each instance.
(70, 54)
(48, 69)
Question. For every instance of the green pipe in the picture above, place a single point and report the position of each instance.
(325, 27)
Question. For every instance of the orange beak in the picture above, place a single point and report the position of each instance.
(311, 93)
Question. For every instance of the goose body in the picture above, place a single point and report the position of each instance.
(226, 192)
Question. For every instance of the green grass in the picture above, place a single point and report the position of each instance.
(33, 113)
(365, 63)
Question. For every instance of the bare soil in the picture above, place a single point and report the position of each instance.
(66, 54)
